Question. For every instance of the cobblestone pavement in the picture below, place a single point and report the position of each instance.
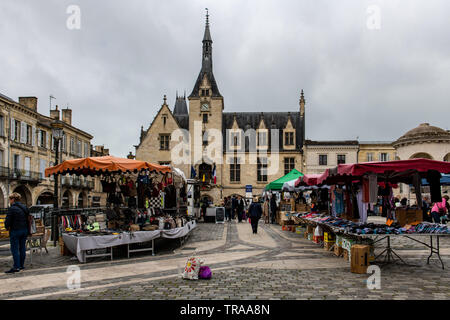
(273, 264)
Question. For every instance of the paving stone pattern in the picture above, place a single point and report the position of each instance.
(248, 276)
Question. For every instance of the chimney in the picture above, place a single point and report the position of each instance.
(54, 114)
(30, 102)
(67, 116)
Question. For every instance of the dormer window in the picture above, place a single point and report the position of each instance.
(288, 138)
(205, 92)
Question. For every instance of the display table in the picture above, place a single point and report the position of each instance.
(79, 245)
(181, 233)
(388, 251)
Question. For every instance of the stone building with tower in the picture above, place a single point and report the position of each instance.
(240, 148)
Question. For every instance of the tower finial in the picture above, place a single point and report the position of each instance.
(207, 17)
(165, 99)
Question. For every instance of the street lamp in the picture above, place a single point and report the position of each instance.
(57, 132)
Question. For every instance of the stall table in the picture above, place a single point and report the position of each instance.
(388, 251)
(79, 245)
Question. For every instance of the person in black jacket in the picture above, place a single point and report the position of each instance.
(17, 224)
(273, 208)
(255, 213)
(240, 208)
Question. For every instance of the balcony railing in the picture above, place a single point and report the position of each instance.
(77, 182)
(22, 175)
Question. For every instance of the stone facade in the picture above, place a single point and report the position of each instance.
(275, 136)
(26, 147)
(322, 155)
(376, 151)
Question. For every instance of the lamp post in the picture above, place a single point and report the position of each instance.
(57, 132)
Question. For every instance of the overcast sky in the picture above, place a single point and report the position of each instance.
(374, 84)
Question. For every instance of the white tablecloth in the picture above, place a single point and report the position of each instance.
(179, 232)
(79, 245)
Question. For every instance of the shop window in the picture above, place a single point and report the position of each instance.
(288, 138)
(235, 171)
(289, 165)
(262, 170)
(323, 160)
(341, 159)
(164, 141)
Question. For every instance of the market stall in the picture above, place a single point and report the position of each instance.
(353, 187)
(145, 202)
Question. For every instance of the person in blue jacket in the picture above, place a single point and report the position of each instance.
(17, 224)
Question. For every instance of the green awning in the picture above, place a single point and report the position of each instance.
(278, 184)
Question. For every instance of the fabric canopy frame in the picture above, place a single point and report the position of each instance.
(93, 166)
(278, 184)
(394, 171)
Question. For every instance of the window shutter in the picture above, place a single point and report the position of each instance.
(48, 141)
(33, 136)
(13, 129)
(379, 156)
(39, 138)
(23, 132)
(387, 157)
(19, 162)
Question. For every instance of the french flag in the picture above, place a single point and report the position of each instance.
(214, 174)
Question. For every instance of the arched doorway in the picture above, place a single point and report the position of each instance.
(67, 199)
(45, 197)
(423, 155)
(82, 200)
(25, 195)
(447, 157)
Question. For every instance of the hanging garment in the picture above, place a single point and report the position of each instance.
(434, 179)
(365, 190)
(338, 201)
(362, 206)
(416, 180)
(373, 188)
(348, 202)
(355, 206)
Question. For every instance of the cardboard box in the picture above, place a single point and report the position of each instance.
(359, 258)
(328, 245)
(408, 216)
(338, 251)
(345, 254)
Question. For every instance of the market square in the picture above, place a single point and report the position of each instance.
(237, 186)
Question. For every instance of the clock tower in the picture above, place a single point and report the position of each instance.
(205, 112)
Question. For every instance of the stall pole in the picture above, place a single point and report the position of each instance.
(55, 233)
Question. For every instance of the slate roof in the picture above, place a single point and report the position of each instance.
(272, 120)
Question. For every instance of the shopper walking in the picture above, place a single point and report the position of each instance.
(266, 209)
(273, 208)
(439, 210)
(17, 224)
(255, 212)
(240, 208)
(228, 208)
(234, 204)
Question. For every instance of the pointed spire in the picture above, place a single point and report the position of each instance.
(207, 35)
(165, 100)
(302, 97)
